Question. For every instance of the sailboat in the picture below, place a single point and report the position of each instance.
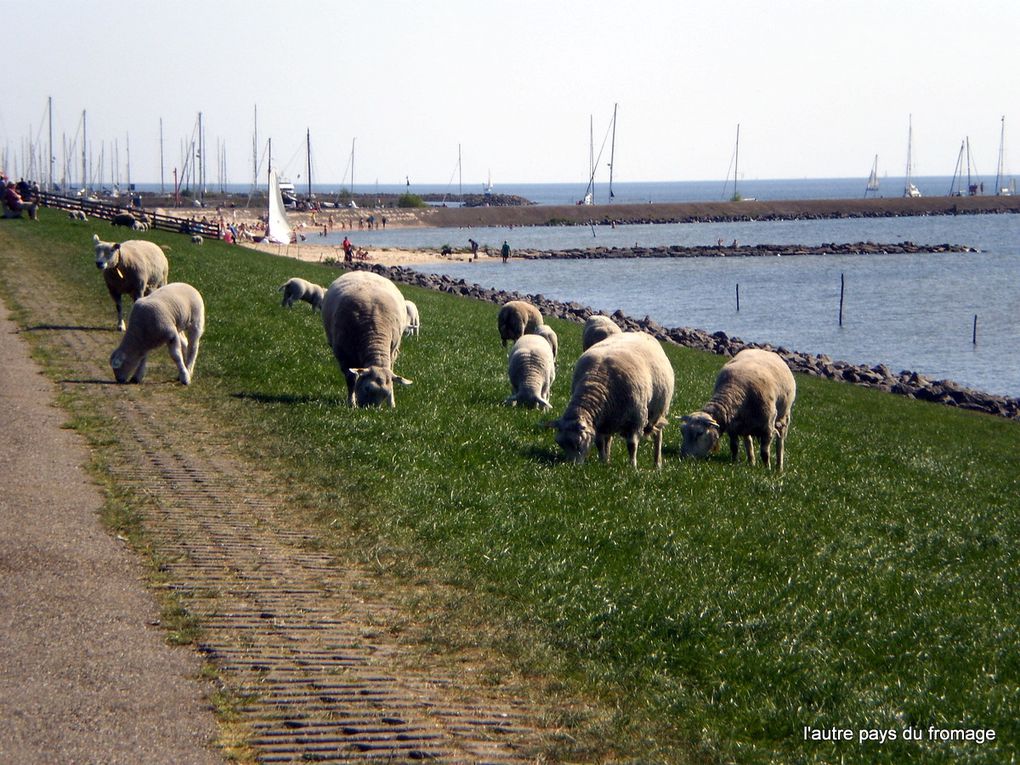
(279, 230)
(909, 189)
(1000, 189)
(872, 179)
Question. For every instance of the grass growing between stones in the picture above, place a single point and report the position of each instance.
(714, 609)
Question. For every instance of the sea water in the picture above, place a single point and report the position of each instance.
(913, 312)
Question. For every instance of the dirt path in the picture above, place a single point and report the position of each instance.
(84, 677)
(311, 646)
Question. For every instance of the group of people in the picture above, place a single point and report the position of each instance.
(17, 198)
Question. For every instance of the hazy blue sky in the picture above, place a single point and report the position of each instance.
(818, 87)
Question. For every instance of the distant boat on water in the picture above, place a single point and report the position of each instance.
(909, 189)
(872, 186)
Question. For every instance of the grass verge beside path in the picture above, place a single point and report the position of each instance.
(715, 609)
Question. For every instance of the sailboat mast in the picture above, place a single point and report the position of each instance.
(84, 155)
(999, 168)
(612, 154)
(910, 142)
(49, 110)
(352, 166)
(736, 162)
(460, 176)
(308, 151)
(591, 154)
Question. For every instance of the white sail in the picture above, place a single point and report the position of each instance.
(279, 229)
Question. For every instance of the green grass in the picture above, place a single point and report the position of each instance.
(715, 609)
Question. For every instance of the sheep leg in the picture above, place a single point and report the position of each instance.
(749, 449)
(632, 444)
(174, 347)
(734, 449)
(766, 447)
(781, 428)
(192, 353)
(657, 445)
(140, 372)
(605, 447)
(118, 300)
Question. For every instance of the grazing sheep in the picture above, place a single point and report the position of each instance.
(78, 215)
(134, 268)
(299, 289)
(413, 320)
(123, 219)
(364, 317)
(544, 330)
(532, 370)
(139, 225)
(753, 396)
(173, 316)
(197, 239)
(517, 318)
(597, 328)
(622, 385)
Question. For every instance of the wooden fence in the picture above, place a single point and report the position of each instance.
(96, 209)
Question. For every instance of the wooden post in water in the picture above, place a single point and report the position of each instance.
(973, 338)
(842, 287)
(738, 297)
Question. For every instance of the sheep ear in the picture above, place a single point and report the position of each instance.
(358, 371)
(115, 247)
(402, 380)
(544, 404)
(95, 239)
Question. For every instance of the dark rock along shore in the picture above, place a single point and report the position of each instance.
(905, 383)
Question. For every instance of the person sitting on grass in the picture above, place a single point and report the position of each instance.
(14, 205)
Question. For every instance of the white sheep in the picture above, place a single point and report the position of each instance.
(173, 316)
(597, 328)
(197, 239)
(78, 215)
(413, 319)
(532, 370)
(135, 267)
(517, 318)
(753, 397)
(364, 317)
(622, 385)
(139, 225)
(544, 330)
(298, 289)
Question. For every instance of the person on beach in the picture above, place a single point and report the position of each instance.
(505, 251)
(348, 250)
(474, 248)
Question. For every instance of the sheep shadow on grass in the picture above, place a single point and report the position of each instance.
(69, 328)
(290, 398)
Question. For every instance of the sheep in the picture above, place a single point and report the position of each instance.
(753, 396)
(135, 267)
(413, 319)
(622, 385)
(174, 316)
(597, 328)
(544, 330)
(139, 225)
(364, 316)
(123, 219)
(532, 370)
(78, 215)
(515, 319)
(197, 239)
(299, 289)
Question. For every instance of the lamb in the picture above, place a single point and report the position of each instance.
(532, 370)
(173, 316)
(135, 267)
(623, 385)
(597, 328)
(753, 396)
(197, 239)
(364, 315)
(299, 289)
(413, 320)
(78, 215)
(139, 225)
(544, 330)
(123, 219)
(517, 318)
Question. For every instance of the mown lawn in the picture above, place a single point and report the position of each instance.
(717, 610)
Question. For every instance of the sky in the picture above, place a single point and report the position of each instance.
(818, 87)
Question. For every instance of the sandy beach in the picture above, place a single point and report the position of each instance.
(321, 253)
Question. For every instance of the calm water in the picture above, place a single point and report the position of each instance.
(911, 312)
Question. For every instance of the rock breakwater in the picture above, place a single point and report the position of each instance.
(904, 383)
(744, 251)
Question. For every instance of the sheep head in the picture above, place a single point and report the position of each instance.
(700, 435)
(105, 252)
(373, 386)
(125, 367)
(574, 437)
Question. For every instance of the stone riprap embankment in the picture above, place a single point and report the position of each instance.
(905, 383)
(743, 251)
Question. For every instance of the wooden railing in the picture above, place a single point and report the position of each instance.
(96, 209)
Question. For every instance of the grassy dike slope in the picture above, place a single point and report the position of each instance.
(716, 609)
